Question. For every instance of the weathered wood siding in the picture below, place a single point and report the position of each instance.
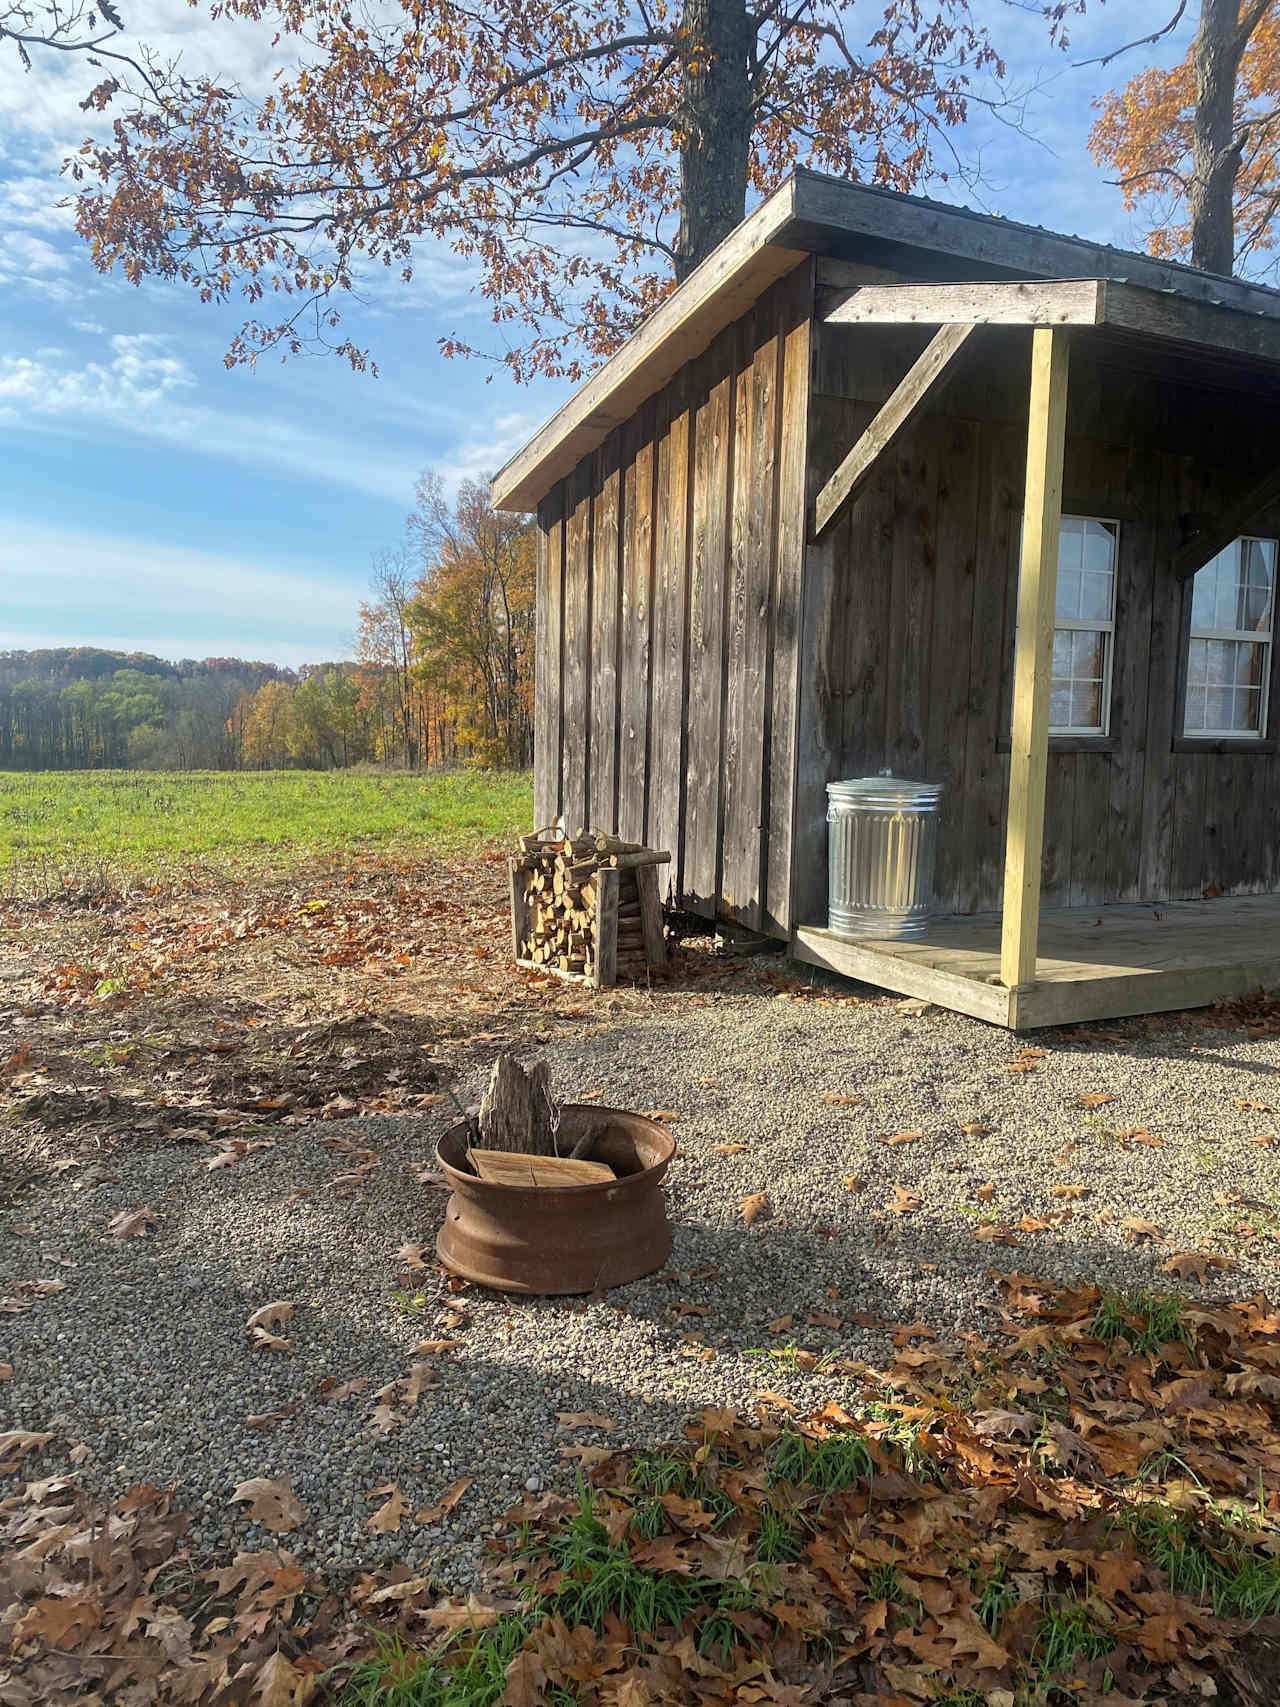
(668, 640)
(911, 608)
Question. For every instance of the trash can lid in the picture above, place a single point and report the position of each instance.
(886, 790)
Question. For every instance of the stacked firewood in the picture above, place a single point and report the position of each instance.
(559, 916)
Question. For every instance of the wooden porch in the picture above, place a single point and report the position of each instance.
(1093, 962)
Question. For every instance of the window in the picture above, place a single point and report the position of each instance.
(1084, 627)
(1229, 653)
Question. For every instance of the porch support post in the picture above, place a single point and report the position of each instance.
(1033, 658)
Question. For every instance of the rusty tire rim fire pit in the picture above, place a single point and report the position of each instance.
(562, 1239)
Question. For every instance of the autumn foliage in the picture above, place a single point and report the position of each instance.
(579, 157)
(1145, 132)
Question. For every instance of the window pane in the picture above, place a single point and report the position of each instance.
(1248, 708)
(1060, 705)
(1086, 705)
(1086, 658)
(1095, 596)
(1257, 581)
(1211, 587)
(1068, 600)
(1099, 547)
(1195, 718)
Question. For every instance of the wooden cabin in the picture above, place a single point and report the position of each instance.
(890, 483)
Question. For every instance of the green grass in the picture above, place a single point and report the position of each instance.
(1219, 1566)
(61, 822)
(1144, 1320)
(819, 1465)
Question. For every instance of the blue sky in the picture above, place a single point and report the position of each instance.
(150, 498)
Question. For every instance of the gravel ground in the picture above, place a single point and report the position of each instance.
(144, 1358)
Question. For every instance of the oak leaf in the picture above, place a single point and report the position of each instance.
(132, 1223)
(780, 1324)
(755, 1207)
(666, 1115)
(1093, 1099)
(1142, 1230)
(1187, 1265)
(729, 1149)
(271, 1316)
(901, 1138)
(584, 1419)
(445, 1504)
(412, 1255)
(975, 1129)
(588, 1457)
(272, 1503)
(1072, 1192)
(279, 1683)
(839, 1101)
(903, 1202)
(386, 1520)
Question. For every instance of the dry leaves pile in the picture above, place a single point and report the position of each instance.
(998, 1525)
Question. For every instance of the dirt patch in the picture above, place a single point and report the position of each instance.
(212, 1008)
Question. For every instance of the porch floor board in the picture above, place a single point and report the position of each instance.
(1094, 962)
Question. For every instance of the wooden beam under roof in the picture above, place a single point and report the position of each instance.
(1160, 315)
(893, 416)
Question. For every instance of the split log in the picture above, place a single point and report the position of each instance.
(516, 1111)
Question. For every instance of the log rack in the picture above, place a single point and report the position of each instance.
(587, 908)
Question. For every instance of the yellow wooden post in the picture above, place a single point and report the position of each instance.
(1033, 658)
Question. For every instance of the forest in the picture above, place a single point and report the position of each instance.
(441, 673)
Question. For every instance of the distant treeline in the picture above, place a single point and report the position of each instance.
(443, 674)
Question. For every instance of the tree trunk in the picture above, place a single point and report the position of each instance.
(1215, 152)
(715, 148)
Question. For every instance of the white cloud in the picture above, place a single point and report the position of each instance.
(189, 603)
(145, 389)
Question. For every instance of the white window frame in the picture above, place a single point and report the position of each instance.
(1092, 626)
(1247, 636)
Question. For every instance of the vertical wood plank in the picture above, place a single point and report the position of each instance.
(909, 659)
(750, 608)
(519, 911)
(655, 940)
(670, 628)
(548, 674)
(1138, 510)
(635, 761)
(786, 707)
(712, 427)
(959, 467)
(1042, 514)
(604, 971)
(986, 770)
(604, 637)
(576, 782)
(1156, 853)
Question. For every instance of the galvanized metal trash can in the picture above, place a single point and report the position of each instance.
(882, 844)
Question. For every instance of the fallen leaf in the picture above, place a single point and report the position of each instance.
(445, 1504)
(838, 1101)
(272, 1503)
(437, 1348)
(132, 1223)
(986, 1193)
(666, 1115)
(279, 1683)
(901, 1138)
(1140, 1135)
(584, 1419)
(1195, 1264)
(821, 1319)
(386, 1520)
(755, 1207)
(265, 1340)
(780, 1324)
(17, 1443)
(266, 1419)
(1093, 1099)
(975, 1129)
(903, 1202)
(1263, 1140)
(1072, 1192)
(1141, 1229)
(412, 1256)
(683, 1307)
(853, 1182)
(728, 1149)
(6, 1371)
(271, 1316)
(589, 1456)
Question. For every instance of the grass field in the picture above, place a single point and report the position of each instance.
(131, 820)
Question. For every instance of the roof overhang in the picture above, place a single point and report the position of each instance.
(908, 235)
